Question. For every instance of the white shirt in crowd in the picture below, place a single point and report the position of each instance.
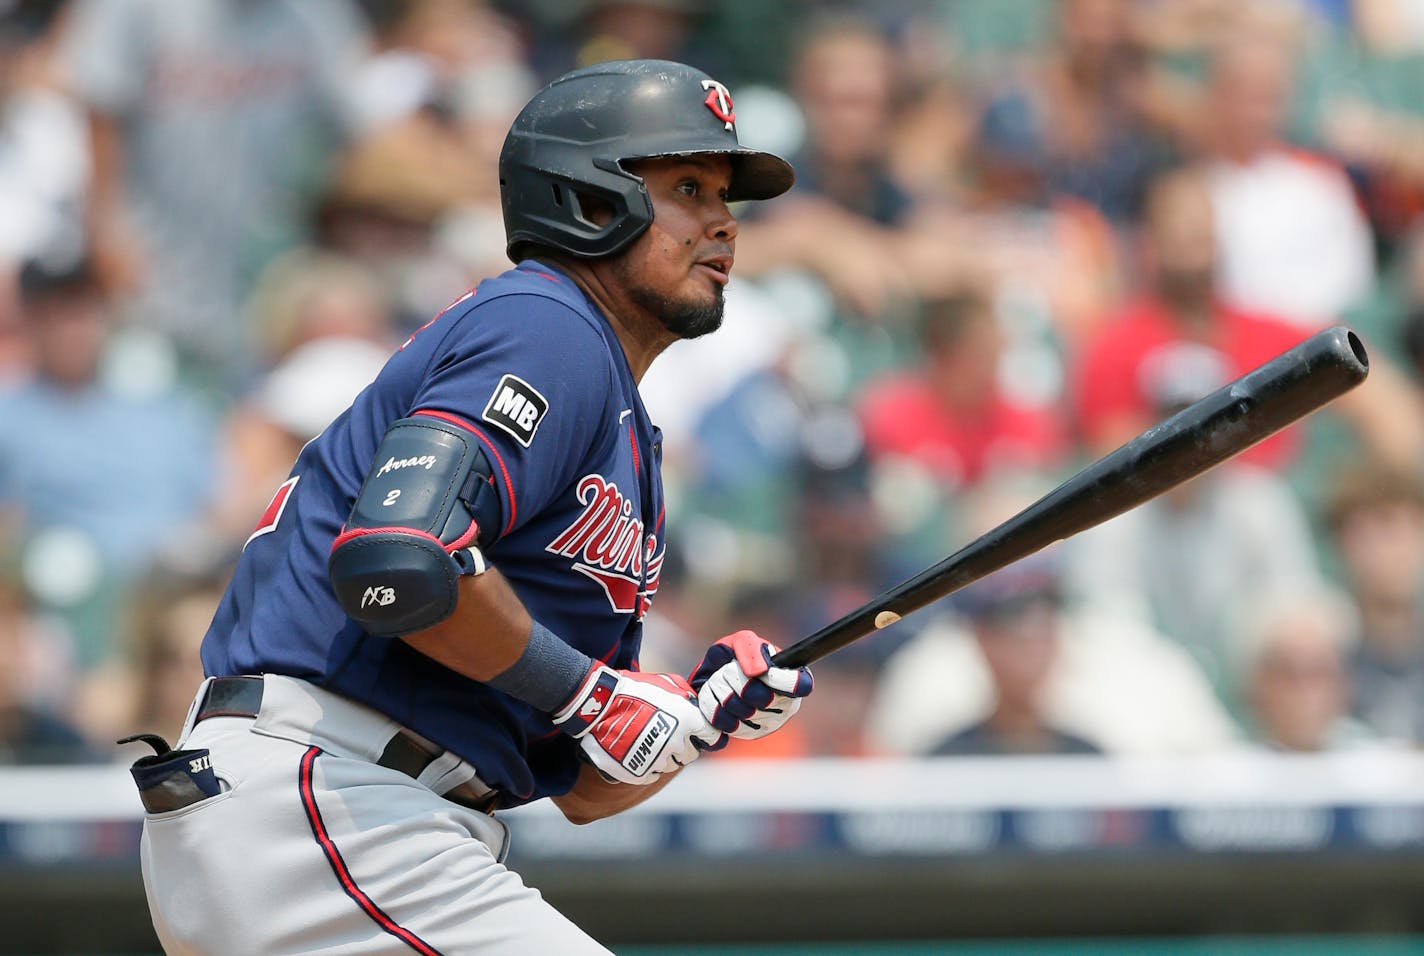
(1292, 239)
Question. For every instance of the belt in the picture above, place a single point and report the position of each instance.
(242, 697)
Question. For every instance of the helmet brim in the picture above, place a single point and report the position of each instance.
(758, 175)
(755, 174)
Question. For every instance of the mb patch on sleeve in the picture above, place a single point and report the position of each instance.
(517, 408)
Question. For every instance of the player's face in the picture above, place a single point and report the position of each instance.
(679, 267)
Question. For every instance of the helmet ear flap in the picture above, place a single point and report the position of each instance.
(627, 199)
(597, 215)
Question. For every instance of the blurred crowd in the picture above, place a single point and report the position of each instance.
(1022, 232)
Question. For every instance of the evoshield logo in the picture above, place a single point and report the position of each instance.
(379, 596)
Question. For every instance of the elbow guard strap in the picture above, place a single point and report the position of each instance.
(415, 528)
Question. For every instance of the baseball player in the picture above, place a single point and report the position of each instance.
(439, 614)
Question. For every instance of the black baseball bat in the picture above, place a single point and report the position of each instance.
(1201, 436)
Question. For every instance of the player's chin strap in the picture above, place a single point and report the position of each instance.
(416, 528)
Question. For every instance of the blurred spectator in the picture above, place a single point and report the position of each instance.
(1396, 26)
(1180, 311)
(931, 152)
(43, 158)
(1014, 615)
(757, 335)
(1293, 672)
(950, 414)
(1359, 98)
(1184, 562)
(1112, 679)
(212, 123)
(29, 734)
(1291, 235)
(1400, 313)
(323, 323)
(1376, 519)
(1074, 125)
(847, 220)
(384, 209)
(289, 407)
(416, 198)
(1186, 27)
(44, 165)
(841, 564)
(745, 476)
(1391, 323)
(309, 294)
(431, 55)
(599, 30)
(1178, 305)
(102, 469)
(149, 686)
(846, 82)
(782, 524)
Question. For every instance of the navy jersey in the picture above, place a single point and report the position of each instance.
(528, 365)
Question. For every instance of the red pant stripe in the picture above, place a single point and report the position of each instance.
(343, 874)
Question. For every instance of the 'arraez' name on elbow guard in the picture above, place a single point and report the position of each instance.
(426, 508)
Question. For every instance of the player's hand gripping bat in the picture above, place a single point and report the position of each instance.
(1206, 433)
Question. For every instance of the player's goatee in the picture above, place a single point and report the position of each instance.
(685, 319)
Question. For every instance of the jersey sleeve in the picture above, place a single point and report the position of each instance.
(533, 380)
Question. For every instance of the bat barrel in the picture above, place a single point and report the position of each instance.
(1206, 433)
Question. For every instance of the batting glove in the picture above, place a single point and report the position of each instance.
(635, 727)
(741, 693)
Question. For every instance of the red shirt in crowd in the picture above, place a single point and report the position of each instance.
(1112, 403)
(901, 415)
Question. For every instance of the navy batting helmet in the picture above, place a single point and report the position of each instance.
(575, 135)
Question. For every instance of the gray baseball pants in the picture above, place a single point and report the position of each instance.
(312, 847)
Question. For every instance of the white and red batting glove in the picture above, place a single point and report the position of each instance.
(741, 693)
(635, 727)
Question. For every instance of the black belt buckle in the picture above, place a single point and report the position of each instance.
(403, 753)
(230, 697)
(486, 803)
(410, 757)
(171, 779)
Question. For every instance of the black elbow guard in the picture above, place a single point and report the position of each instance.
(425, 507)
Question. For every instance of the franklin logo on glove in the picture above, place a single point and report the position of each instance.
(640, 727)
(652, 741)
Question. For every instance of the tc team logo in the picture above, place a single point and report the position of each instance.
(719, 101)
(608, 545)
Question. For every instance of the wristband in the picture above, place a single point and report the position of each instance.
(547, 674)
